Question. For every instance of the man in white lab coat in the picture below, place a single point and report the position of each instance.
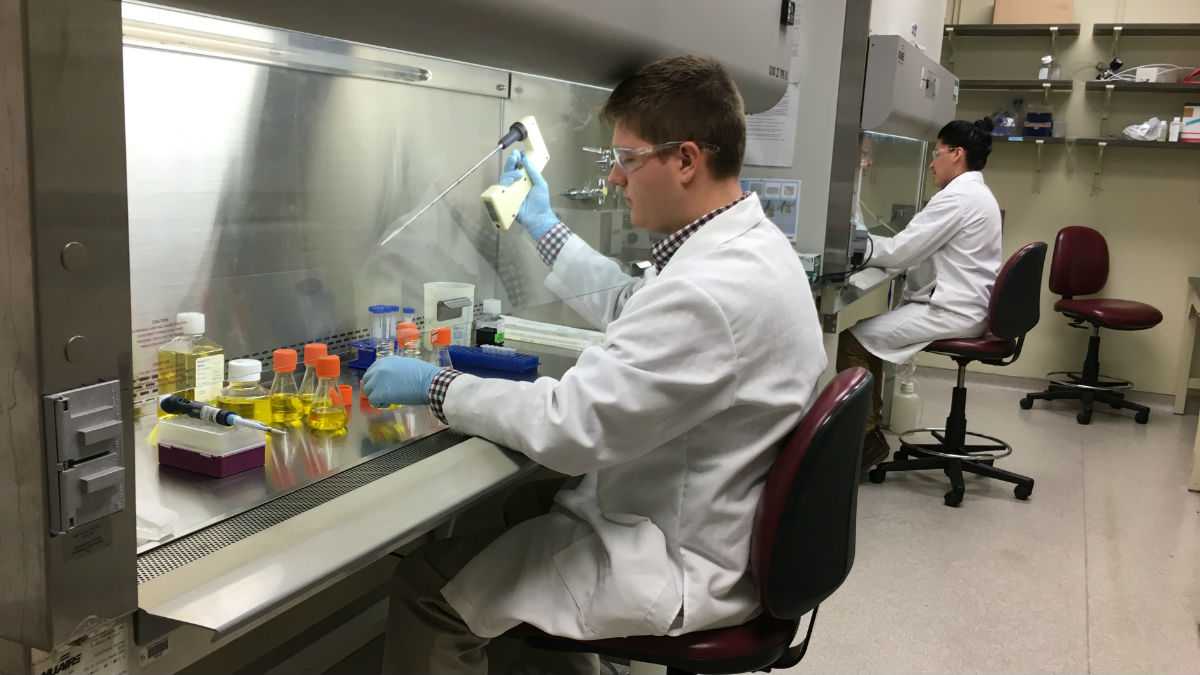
(952, 251)
(672, 423)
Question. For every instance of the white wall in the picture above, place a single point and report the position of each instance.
(896, 17)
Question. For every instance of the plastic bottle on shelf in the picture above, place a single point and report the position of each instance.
(1175, 129)
(1050, 69)
(906, 404)
(286, 407)
(191, 365)
(327, 413)
(245, 394)
(489, 327)
(308, 385)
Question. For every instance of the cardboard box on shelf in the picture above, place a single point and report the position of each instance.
(1190, 131)
(1034, 11)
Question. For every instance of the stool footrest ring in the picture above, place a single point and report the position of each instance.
(1072, 380)
(994, 451)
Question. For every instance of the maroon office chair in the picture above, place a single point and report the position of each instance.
(1013, 310)
(802, 548)
(1080, 267)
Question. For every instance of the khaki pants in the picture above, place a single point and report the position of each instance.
(850, 354)
(425, 636)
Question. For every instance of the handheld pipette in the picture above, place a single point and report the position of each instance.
(178, 405)
(519, 131)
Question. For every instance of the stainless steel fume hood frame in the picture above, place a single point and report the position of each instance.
(66, 322)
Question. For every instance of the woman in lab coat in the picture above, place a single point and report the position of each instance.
(671, 425)
(952, 251)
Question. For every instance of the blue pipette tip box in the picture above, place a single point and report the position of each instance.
(475, 361)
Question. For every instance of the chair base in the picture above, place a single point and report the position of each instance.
(1088, 387)
(914, 458)
(953, 455)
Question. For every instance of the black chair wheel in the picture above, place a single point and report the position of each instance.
(955, 496)
(1084, 417)
(877, 475)
(1022, 492)
(1142, 417)
(1026, 403)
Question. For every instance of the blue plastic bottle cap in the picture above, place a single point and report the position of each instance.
(383, 309)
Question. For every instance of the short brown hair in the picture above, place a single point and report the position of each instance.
(684, 98)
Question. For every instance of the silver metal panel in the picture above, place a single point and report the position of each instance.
(278, 183)
(844, 161)
(597, 43)
(23, 612)
(241, 583)
(158, 28)
(186, 549)
(293, 461)
(907, 93)
(81, 285)
(76, 112)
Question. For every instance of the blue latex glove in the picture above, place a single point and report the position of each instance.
(397, 379)
(535, 214)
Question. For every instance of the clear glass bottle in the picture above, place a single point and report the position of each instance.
(440, 338)
(327, 413)
(191, 365)
(286, 407)
(408, 339)
(308, 385)
(383, 326)
(245, 394)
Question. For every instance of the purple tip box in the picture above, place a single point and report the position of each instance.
(209, 465)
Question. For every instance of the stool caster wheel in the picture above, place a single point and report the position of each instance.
(954, 497)
(1142, 417)
(1026, 403)
(1022, 492)
(1084, 417)
(877, 475)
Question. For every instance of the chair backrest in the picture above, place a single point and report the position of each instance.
(1015, 305)
(1080, 262)
(803, 540)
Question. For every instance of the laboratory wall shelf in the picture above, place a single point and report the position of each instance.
(1148, 29)
(1126, 143)
(1010, 30)
(1015, 85)
(1029, 140)
(1145, 87)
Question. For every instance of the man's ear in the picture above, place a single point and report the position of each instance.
(690, 157)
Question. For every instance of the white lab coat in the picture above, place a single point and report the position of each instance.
(673, 421)
(958, 235)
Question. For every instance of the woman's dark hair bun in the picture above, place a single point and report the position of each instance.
(973, 137)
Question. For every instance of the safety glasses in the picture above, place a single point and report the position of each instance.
(632, 159)
(938, 153)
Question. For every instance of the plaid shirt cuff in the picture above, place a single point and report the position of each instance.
(438, 389)
(551, 243)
